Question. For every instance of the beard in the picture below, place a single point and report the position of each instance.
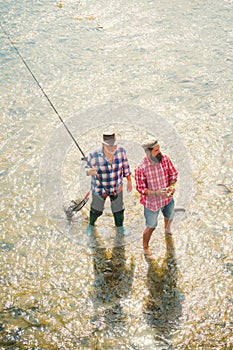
(157, 159)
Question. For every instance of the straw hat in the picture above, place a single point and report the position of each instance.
(109, 139)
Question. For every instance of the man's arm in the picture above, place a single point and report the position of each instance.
(127, 172)
(161, 192)
(129, 183)
(173, 173)
(91, 170)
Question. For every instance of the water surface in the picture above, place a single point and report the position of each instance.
(159, 67)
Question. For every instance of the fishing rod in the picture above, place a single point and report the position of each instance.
(76, 205)
(48, 99)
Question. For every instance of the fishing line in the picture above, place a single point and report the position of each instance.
(48, 99)
(75, 205)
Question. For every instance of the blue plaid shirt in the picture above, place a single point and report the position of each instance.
(109, 176)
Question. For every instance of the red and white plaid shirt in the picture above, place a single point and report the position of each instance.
(150, 176)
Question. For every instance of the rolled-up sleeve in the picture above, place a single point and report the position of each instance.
(126, 167)
(91, 161)
(173, 173)
(141, 182)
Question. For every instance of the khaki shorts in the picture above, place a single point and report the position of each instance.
(116, 203)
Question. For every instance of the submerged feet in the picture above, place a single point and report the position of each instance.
(148, 253)
(123, 231)
(89, 230)
(168, 233)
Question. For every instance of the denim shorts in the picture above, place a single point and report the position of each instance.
(152, 216)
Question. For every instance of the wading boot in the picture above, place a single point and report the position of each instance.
(94, 214)
(119, 218)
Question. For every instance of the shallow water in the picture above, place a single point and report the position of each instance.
(162, 68)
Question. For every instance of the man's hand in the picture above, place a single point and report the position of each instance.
(92, 171)
(171, 189)
(162, 192)
(129, 186)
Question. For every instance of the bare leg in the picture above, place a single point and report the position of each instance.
(146, 238)
(167, 225)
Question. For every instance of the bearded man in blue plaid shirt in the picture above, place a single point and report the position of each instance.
(107, 167)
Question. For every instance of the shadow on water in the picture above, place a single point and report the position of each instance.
(163, 306)
(113, 279)
(14, 322)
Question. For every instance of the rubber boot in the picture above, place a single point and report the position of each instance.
(94, 214)
(119, 218)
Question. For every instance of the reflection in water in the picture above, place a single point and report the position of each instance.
(173, 57)
(112, 281)
(14, 322)
(163, 304)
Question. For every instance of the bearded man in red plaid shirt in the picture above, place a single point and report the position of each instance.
(155, 179)
(108, 166)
